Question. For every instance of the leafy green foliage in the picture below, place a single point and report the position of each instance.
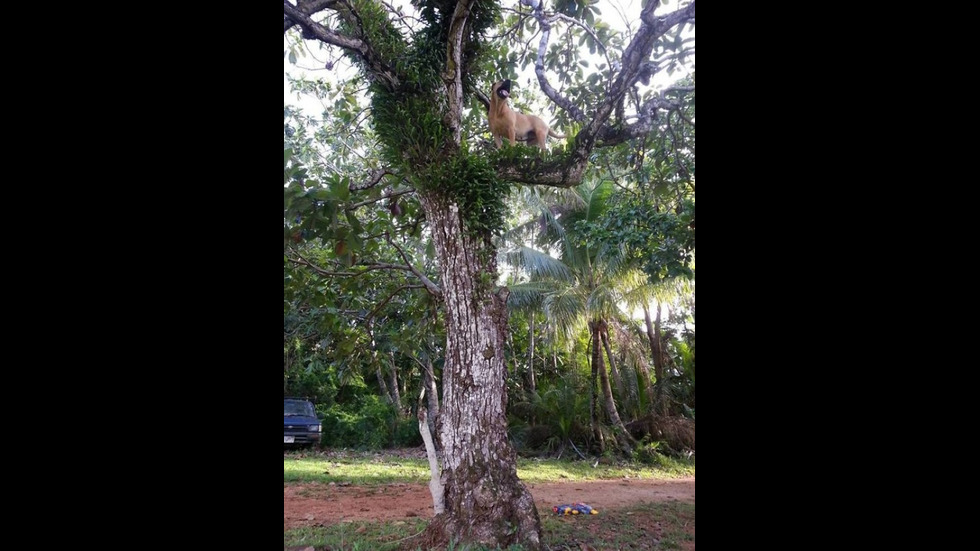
(471, 180)
(661, 242)
(375, 425)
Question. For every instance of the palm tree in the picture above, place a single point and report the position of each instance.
(579, 288)
(664, 292)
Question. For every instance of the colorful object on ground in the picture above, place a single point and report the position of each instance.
(574, 509)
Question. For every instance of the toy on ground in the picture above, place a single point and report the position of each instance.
(574, 509)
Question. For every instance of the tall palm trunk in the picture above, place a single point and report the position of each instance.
(593, 391)
(624, 441)
(653, 334)
(530, 360)
(617, 378)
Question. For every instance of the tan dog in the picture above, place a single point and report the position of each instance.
(507, 123)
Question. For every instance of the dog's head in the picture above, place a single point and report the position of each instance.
(502, 89)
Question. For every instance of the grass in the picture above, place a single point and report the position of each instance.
(355, 536)
(364, 471)
(370, 469)
(650, 527)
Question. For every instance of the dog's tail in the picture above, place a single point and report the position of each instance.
(554, 135)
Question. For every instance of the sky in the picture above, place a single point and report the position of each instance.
(619, 14)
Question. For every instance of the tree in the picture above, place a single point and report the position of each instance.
(581, 287)
(419, 81)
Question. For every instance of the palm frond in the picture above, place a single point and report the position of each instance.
(603, 302)
(529, 295)
(539, 265)
(566, 309)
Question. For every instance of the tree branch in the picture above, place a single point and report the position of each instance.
(372, 267)
(431, 287)
(382, 198)
(307, 8)
(568, 172)
(453, 77)
(379, 69)
(373, 180)
(394, 293)
(546, 87)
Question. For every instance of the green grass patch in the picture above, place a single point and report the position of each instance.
(366, 469)
(355, 536)
(645, 527)
(536, 471)
(650, 527)
(361, 471)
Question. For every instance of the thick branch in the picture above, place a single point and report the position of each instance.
(308, 8)
(556, 173)
(483, 98)
(453, 76)
(546, 87)
(379, 68)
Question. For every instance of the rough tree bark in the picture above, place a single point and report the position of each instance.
(484, 498)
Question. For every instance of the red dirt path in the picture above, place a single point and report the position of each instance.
(321, 504)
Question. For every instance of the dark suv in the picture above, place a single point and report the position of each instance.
(300, 425)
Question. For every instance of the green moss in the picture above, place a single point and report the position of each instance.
(472, 181)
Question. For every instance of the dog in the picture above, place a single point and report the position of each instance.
(507, 123)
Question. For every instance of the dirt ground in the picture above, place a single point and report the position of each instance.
(320, 504)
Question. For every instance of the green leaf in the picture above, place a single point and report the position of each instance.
(339, 189)
(292, 58)
(355, 225)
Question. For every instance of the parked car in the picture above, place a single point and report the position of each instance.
(300, 425)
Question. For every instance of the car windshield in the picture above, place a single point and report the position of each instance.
(295, 408)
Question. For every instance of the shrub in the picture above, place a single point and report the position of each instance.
(375, 424)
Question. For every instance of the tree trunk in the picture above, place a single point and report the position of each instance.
(593, 390)
(612, 366)
(653, 355)
(381, 381)
(485, 502)
(530, 360)
(659, 362)
(623, 438)
(432, 395)
(396, 397)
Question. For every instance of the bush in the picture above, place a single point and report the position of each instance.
(375, 424)
(677, 434)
